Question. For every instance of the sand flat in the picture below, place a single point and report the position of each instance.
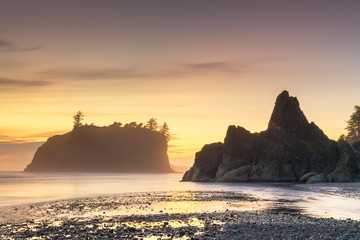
(169, 215)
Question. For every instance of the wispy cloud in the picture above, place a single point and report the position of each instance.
(94, 74)
(173, 71)
(214, 66)
(23, 83)
(7, 148)
(45, 134)
(8, 46)
(5, 138)
(39, 137)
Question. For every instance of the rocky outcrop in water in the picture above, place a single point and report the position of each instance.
(290, 148)
(103, 149)
(207, 162)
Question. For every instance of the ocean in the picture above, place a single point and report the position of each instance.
(338, 200)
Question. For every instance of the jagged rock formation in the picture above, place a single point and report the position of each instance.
(207, 162)
(103, 149)
(290, 148)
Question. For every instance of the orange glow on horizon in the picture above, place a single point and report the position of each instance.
(219, 64)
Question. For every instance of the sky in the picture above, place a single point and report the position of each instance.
(199, 66)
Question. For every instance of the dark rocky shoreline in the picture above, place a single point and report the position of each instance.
(148, 217)
(291, 149)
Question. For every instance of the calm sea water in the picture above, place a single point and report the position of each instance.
(321, 200)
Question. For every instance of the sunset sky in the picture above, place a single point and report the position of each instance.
(197, 65)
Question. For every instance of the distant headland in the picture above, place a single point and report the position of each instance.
(132, 148)
(290, 150)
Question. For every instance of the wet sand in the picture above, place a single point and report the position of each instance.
(347, 189)
(169, 215)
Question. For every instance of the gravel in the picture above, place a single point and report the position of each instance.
(147, 216)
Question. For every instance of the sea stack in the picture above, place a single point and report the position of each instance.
(290, 150)
(103, 149)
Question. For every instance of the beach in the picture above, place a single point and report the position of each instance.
(168, 215)
(121, 206)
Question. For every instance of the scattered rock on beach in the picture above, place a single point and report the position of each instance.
(66, 221)
(225, 225)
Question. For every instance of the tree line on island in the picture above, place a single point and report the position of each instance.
(151, 125)
(131, 148)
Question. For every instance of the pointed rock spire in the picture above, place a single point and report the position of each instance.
(287, 114)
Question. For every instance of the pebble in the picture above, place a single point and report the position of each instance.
(59, 223)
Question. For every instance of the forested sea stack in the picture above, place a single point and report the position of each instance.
(88, 148)
(291, 149)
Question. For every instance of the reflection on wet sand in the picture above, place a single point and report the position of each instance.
(172, 215)
(187, 202)
(319, 200)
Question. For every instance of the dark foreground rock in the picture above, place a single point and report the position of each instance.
(288, 150)
(103, 149)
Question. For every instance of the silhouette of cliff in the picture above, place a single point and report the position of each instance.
(291, 149)
(103, 149)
